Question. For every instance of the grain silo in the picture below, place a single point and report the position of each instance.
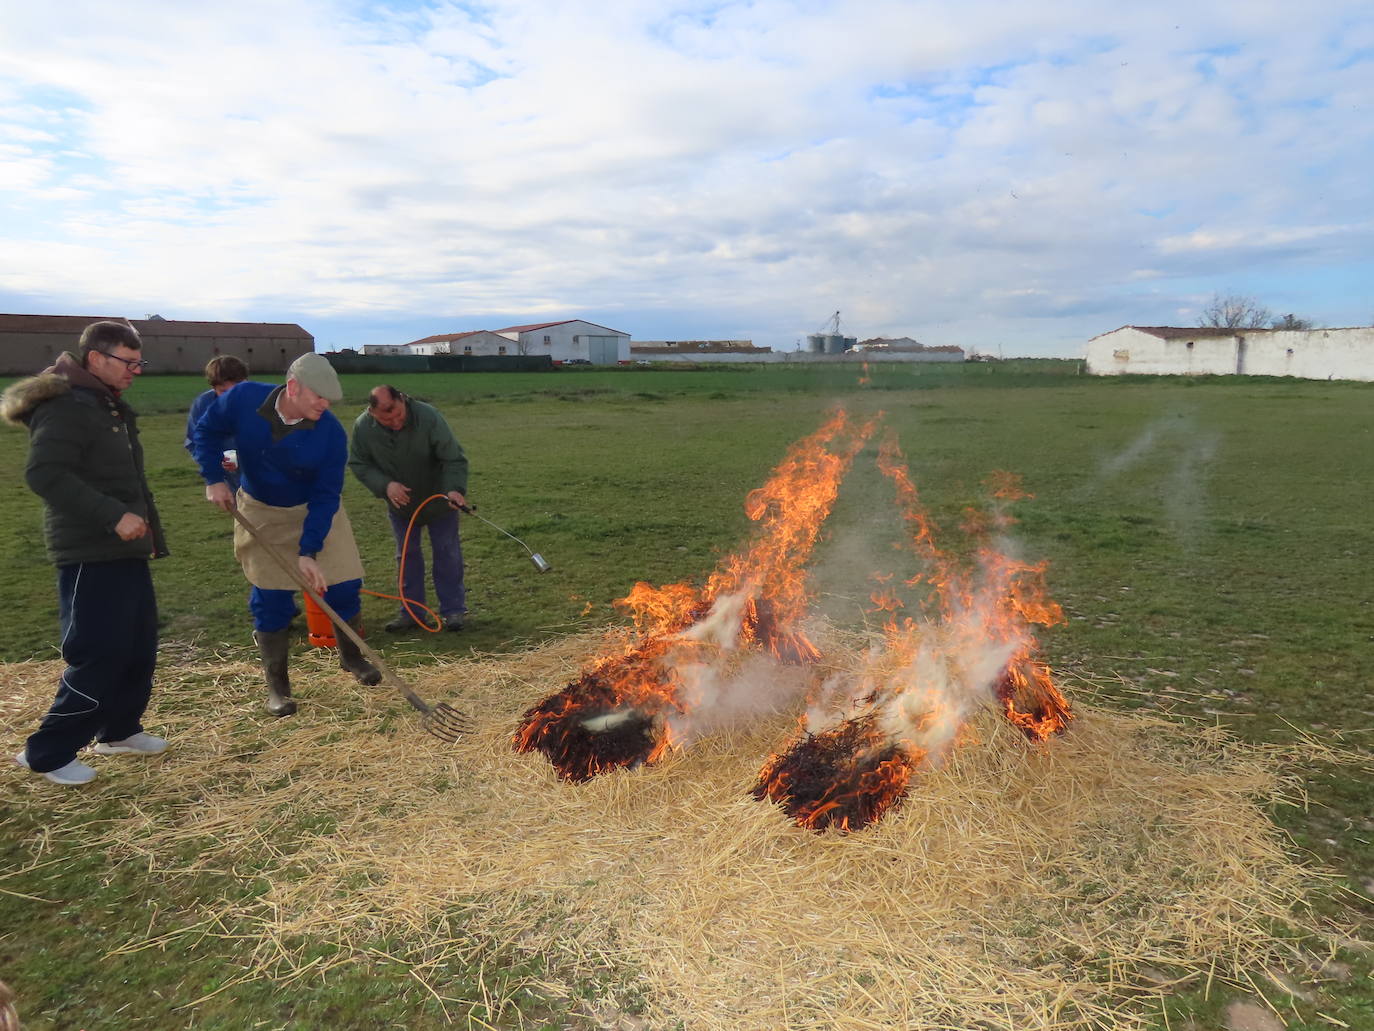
(830, 340)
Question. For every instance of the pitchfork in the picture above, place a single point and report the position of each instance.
(442, 720)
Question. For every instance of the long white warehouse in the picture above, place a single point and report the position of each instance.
(1171, 351)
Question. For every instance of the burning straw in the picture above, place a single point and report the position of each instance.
(873, 728)
(630, 706)
(1015, 888)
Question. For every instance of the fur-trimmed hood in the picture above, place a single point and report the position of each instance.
(21, 398)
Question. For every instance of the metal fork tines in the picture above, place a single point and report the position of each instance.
(447, 723)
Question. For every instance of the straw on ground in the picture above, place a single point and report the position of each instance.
(1017, 887)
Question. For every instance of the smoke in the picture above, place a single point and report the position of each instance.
(1132, 453)
(864, 550)
(720, 685)
(1185, 498)
(933, 700)
(1183, 451)
(924, 678)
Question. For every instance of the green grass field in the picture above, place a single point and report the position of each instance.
(1210, 542)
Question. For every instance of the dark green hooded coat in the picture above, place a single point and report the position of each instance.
(85, 462)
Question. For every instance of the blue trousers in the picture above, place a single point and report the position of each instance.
(107, 615)
(274, 610)
(447, 567)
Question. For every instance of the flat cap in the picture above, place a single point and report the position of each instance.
(314, 371)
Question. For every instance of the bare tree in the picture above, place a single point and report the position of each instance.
(1291, 321)
(1234, 311)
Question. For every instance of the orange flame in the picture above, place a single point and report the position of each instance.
(999, 604)
(756, 598)
(908, 704)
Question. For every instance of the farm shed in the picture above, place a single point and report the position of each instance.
(911, 350)
(696, 350)
(29, 343)
(472, 342)
(1167, 350)
(570, 340)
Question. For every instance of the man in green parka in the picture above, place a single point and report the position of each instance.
(403, 450)
(101, 528)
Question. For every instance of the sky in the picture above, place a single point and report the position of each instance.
(1013, 178)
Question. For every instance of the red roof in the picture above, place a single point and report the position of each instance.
(561, 322)
(446, 337)
(1185, 333)
(1179, 333)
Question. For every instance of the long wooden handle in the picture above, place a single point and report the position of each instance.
(295, 574)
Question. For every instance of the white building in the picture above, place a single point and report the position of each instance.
(570, 340)
(1165, 350)
(695, 350)
(475, 341)
(910, 350)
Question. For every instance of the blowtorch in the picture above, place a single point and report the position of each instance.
(539, 561)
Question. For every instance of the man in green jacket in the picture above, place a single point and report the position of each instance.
(101, 528)
(403, 450)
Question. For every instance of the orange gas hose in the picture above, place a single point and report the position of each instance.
(407, 603)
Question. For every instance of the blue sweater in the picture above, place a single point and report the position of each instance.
(198, 406)
(298, 465)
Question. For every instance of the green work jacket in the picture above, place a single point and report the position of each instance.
(423, 455)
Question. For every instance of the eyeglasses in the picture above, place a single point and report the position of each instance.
(133, 363)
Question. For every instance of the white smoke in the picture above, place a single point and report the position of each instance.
(720, 684)
(922, 680)
(1133, 452)
(1185, 495)
(1187, 451)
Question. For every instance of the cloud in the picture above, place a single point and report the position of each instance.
(1254, 239)
(975, 173)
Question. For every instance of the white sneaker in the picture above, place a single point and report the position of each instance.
(75, 772)
(138, 744)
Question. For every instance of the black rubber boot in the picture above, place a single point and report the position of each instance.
(275, 647)
(351, 658)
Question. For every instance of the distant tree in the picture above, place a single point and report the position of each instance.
(1234, 311)
(1291, 321)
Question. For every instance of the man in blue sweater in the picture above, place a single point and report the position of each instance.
(292, 452)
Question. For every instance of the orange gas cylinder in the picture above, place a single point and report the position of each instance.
(318, 624)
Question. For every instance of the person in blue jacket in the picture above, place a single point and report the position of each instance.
(292, 452)
(221, 372)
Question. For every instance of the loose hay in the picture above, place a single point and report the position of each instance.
(1016, 887)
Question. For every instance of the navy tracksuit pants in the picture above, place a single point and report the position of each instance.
(108, 617)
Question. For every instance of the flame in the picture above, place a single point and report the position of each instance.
(968, 642)
(908, 703)
(756, 599)
(864, 379)
(1030, 699)
(996, 603)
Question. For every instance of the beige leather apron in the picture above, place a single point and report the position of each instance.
(281, 527)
